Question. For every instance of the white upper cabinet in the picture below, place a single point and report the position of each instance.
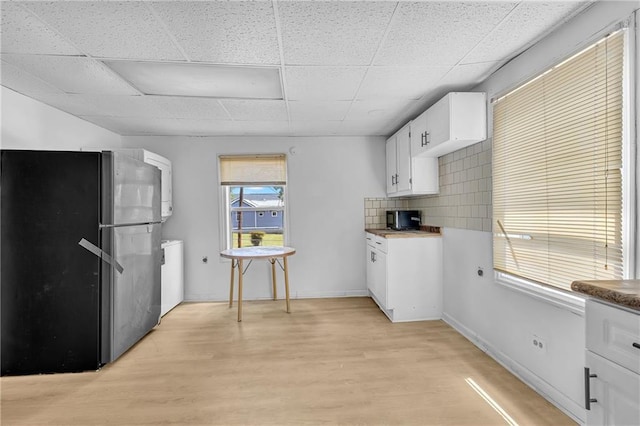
(457, 120)
(407, 175)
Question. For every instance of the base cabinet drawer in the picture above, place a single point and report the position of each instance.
(612, 393)
(614, 334)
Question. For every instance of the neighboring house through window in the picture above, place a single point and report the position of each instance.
(251, 185)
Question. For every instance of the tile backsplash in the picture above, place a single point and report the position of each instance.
(464, 200)
(375, 210)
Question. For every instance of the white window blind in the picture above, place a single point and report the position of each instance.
(557, 178)
(253, 169)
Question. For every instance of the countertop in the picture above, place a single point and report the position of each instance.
(621, 292)
(427, 231)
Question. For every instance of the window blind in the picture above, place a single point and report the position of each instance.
(557, 178)
(253, 169)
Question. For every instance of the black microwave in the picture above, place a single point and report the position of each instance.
(403, 219)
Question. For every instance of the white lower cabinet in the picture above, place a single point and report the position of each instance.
(404, 276)
(612, 373)
(172, 275)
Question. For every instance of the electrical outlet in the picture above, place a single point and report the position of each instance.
(538, 343)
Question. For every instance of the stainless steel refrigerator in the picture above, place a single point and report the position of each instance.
(80, 258)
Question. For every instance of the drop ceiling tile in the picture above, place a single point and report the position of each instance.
(332, 33)
(318, 110)
(23, 82)
(192, 108)
(523, 27)
(223, 32)
(117, 106)
(323, 83)
(72, 74)
(468, 75)
(22, 32)
(109, 29)
(73, 104)
(129, 126)
(424, 32)
(255, 109)
(400, 82)
(264, 128)
(379, 110)
(368, 127)
(315, 128)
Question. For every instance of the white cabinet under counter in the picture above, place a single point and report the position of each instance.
(404, 274)
(171, 275)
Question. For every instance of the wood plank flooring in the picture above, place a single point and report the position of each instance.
(331, 361)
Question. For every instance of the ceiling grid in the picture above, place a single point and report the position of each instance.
(346, 67)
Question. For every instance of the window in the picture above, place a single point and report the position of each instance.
(557, 171)
(250, 184)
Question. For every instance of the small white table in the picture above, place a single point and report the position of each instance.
(272, 254)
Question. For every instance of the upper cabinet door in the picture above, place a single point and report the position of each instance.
(391, 165)
(403, 160)
(457, 120)
(419, 134)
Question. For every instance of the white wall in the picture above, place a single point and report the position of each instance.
(328, 179)
(29, 124)
(502, 320)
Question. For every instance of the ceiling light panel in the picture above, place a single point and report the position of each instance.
(223, 32)
(323, 83)
(400, 82)
(109, 29)
(200, 80)
(24, 33)
(72, 74)
(447, 31)
(332, 33)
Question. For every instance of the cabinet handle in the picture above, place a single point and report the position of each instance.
(587, 388)
(636, 345)
(427, 139)
(397, 176)
(423, 138)
(373, 256)
(393, 179)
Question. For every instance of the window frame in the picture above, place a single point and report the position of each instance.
(224, 206)
(557, 296)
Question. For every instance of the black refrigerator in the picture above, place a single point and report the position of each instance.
(80, 258)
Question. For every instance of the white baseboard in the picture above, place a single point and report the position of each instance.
(551, 394)
(296, 295)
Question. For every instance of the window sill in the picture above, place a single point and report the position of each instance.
(559, 298)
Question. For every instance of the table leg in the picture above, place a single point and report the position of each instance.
(239, 290)
(273, 278)
(233, 268)
(286, 283)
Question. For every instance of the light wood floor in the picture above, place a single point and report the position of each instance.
(331, 361)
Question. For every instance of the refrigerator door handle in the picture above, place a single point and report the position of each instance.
(101, 254)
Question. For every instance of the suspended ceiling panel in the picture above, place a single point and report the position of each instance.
(345, 68)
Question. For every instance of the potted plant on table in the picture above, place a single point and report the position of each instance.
(256, 237)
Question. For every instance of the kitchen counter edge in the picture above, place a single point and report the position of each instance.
(389, 233)
(625, 293)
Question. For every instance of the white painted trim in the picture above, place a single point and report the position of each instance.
(548, 392)
(562, 299)
(298, 295)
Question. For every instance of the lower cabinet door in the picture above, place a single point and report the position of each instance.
(377, 275)
(614, 392)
